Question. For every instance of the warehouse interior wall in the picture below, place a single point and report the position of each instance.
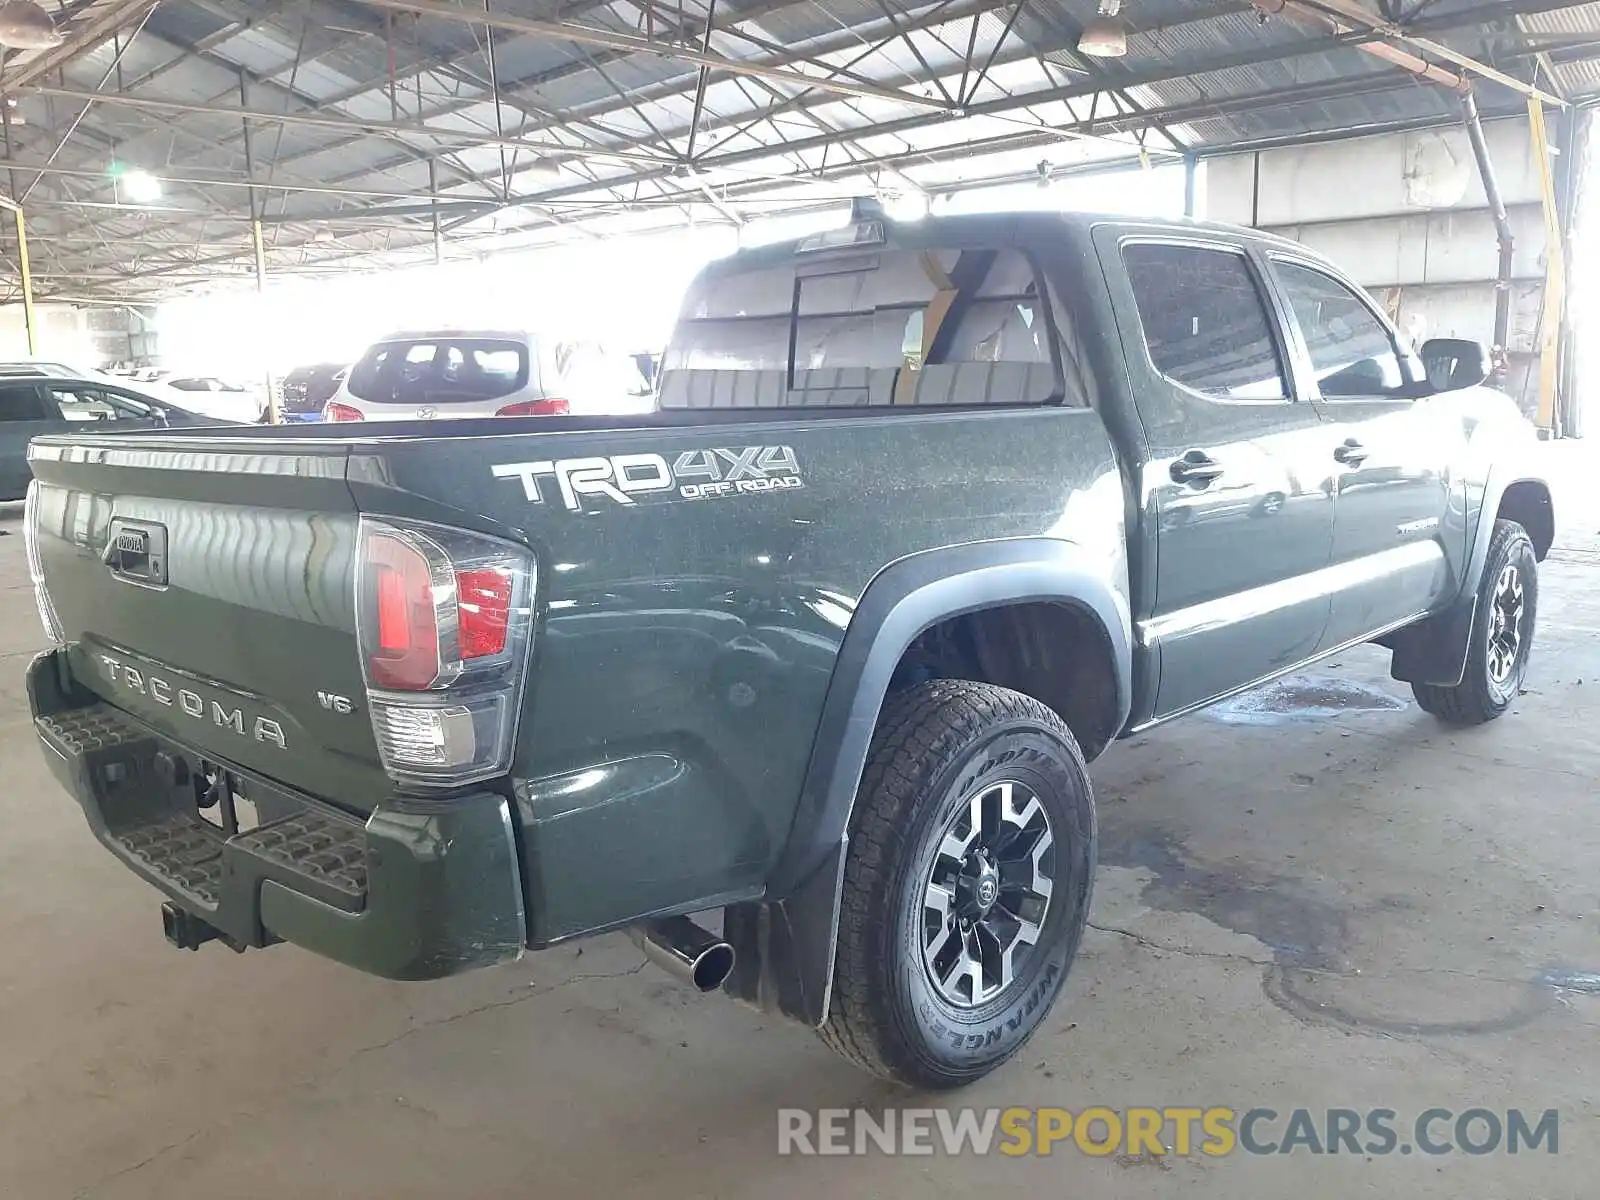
(62, 333)
(1405, 215)
(122, 334)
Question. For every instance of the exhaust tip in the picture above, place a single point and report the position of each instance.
(713, 967)
(694, 955)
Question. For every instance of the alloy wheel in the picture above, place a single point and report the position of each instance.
(1507, 612)
(987, 894)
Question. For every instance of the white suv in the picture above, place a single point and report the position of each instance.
(426, 374)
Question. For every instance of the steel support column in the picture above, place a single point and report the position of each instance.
(438, 229)
(256, 244)
(1502, 227)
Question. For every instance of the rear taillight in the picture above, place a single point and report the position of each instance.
(30, 540)
(444, 619)
(536, 408)
(341, 412)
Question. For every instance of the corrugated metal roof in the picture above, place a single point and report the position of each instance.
(1574, 75)
(1211, 72)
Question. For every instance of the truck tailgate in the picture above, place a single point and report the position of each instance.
(206, 586)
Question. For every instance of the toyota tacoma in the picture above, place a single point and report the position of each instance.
(930, 514)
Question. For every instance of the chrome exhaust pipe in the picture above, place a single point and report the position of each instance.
(683, 949)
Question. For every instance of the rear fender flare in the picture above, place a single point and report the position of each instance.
(792, 942)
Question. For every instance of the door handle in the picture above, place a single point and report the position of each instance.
(1196, 467)
(1350, 452)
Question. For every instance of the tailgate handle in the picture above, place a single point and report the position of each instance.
(136, 552)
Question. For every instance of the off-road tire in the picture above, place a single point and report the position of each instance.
(936, 745)
(1479, 697)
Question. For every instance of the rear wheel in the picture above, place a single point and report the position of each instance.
(1502, 634)
(967, 884)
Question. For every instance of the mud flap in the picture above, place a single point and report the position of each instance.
(783, 949)
(1434, 651)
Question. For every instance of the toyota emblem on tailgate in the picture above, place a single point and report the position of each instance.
(427, 412)
(136, 552)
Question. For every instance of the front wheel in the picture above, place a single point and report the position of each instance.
(1502, 634)
(966, 886)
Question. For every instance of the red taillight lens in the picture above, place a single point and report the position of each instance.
(341, 412)
(537, 408)
(406, 656)
(444, 619)
(483, 605)
(394, 634)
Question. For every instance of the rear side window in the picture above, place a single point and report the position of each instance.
(21, 404)
(440, 371)
(1205, 323)
(1351, 352)
(895, 326)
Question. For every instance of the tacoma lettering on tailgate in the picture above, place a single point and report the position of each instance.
(191, 703)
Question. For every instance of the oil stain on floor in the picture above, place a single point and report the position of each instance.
(1318, 973)
(1303, 698)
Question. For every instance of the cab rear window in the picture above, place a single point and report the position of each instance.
(440, 371)
(897, 326)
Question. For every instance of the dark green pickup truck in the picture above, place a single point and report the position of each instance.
(929, 516)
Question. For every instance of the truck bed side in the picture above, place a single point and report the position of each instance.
(695, 582)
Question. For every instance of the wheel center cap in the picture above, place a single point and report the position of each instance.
(988, 889)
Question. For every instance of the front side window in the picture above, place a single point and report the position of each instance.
(1351, 352)
(94, 404)
(440, 371)
(1204, 321)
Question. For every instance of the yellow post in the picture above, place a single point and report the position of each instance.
(27, 283)
(1555, 275)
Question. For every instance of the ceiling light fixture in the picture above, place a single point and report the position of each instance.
(542, 170)
(905, 206)
(1104, 36)
(137, 186)
(27, 26)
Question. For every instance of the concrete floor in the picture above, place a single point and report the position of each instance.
(1317, 898)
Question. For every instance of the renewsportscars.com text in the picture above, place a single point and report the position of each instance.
(1216, 1131)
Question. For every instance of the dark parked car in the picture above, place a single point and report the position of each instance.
(53, 404)
(306, 390)
(824, 644)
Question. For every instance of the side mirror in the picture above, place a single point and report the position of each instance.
(1454, 363)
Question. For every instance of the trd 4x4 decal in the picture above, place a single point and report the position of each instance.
(629, 478)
